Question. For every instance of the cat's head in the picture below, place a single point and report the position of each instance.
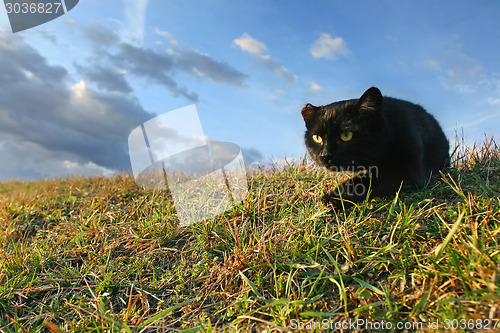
(347, 133)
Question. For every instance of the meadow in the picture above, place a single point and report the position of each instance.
(103, 255)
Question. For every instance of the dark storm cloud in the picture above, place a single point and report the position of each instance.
(40, 111)
(203, 66)
(160, 66)
(107, 79)
(152, 66)
(18, 55)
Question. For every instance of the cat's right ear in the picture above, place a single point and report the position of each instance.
(371, 101)
(309, 112)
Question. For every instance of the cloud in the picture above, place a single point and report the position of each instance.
(329, 48)
(457, 71)
(151, 65)
(461, 73)
(47, 34)
(105, 78)
(475, 86)
(26, 161)
(314, 87)
(494, 100)
(203, 66)
(54, 124)
(99, 36)
(248, 44)
(277, 68)
(167, 35)
(49, 126)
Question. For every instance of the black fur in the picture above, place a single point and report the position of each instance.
(393, 141)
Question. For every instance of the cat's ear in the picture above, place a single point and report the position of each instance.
(309, 112)
(371, 101)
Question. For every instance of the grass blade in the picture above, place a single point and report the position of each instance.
(448, 238)
(164, 313)
(250, 283)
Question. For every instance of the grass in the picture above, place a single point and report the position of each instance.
(102, 255)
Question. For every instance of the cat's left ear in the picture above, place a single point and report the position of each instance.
(309, 112)
(371, 101)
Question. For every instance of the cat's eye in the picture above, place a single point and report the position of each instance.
(317, 139)
(346, 136)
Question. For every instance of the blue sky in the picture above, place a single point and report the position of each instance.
(74, 88)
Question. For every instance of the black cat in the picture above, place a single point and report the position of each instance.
(387, 142)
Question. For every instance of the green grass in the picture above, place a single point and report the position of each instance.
(102, 255)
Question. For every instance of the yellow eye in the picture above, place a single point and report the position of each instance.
(317, 139)
(346, 136)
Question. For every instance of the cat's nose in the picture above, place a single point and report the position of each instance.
(326, 155)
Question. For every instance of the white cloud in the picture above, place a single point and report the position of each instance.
(329, 48)
(280, 70)
(493, 83)
(478, 87)
(167, 35)
(256, 48)
(493, 101)
(79, 89)
(460, 73)
(87, 169)
(248, 44)
(314, 87)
